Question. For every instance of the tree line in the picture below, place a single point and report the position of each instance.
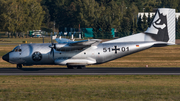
(101, 15)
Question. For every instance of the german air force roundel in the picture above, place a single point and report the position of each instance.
(37, 56)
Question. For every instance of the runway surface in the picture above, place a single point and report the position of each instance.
(90, 71)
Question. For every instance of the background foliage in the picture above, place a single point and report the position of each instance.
(101, 15)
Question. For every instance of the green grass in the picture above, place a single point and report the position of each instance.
(88, 88)
(29, 40)
(4, 39)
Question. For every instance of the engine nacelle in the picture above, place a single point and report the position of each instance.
(59, 47)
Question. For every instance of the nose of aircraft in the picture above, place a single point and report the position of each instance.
(6, 57)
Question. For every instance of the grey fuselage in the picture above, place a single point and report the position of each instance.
(40, 54)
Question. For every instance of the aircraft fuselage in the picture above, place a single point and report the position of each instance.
(40, 54)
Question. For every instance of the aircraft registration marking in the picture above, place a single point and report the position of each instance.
(116, 49)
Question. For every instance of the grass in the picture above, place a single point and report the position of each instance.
(4, 39)
(88, 88)
(29, 40)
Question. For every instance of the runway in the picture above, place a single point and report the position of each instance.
(90, 71)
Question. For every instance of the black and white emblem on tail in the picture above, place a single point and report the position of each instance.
(162, 27)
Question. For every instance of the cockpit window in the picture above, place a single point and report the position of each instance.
(17, 49)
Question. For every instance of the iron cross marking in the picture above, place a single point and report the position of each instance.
(116, 49)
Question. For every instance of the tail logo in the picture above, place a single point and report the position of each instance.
(160, 22)
(158, 29)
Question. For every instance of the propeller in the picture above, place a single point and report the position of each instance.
(52, 46)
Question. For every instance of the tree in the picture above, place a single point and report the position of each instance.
(125, 25)
(21, 15)
(96, 29)
(149, 19)
(145, 24)
(178, 8)
(108, 17)
(170, 3)
(139, 24)
(178, 28)
(139, 5)
(135, 26)
(89, 11)
(47, 17)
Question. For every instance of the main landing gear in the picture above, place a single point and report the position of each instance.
(19, 66)
(76, 67)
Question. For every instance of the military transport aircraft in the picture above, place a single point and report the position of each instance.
(78, 54)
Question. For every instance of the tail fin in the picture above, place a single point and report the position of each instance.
(162, 27)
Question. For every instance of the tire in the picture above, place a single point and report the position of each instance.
(72, 67)
(69, 67)
(76, 67)
(81, 67)
(19, 66)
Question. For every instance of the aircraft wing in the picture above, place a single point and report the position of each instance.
(84, 42)
(77, 45)
(63, 40)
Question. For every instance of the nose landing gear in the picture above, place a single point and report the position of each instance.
(19, 66)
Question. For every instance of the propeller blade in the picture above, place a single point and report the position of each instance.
(53, 53)
(52, 49)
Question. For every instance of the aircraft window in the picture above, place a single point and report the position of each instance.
(17, 49)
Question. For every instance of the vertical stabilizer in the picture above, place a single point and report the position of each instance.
(162, 27)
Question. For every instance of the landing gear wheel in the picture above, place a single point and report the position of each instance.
(19, 66)
(70, 67)
(76, 67)
(81, 67)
